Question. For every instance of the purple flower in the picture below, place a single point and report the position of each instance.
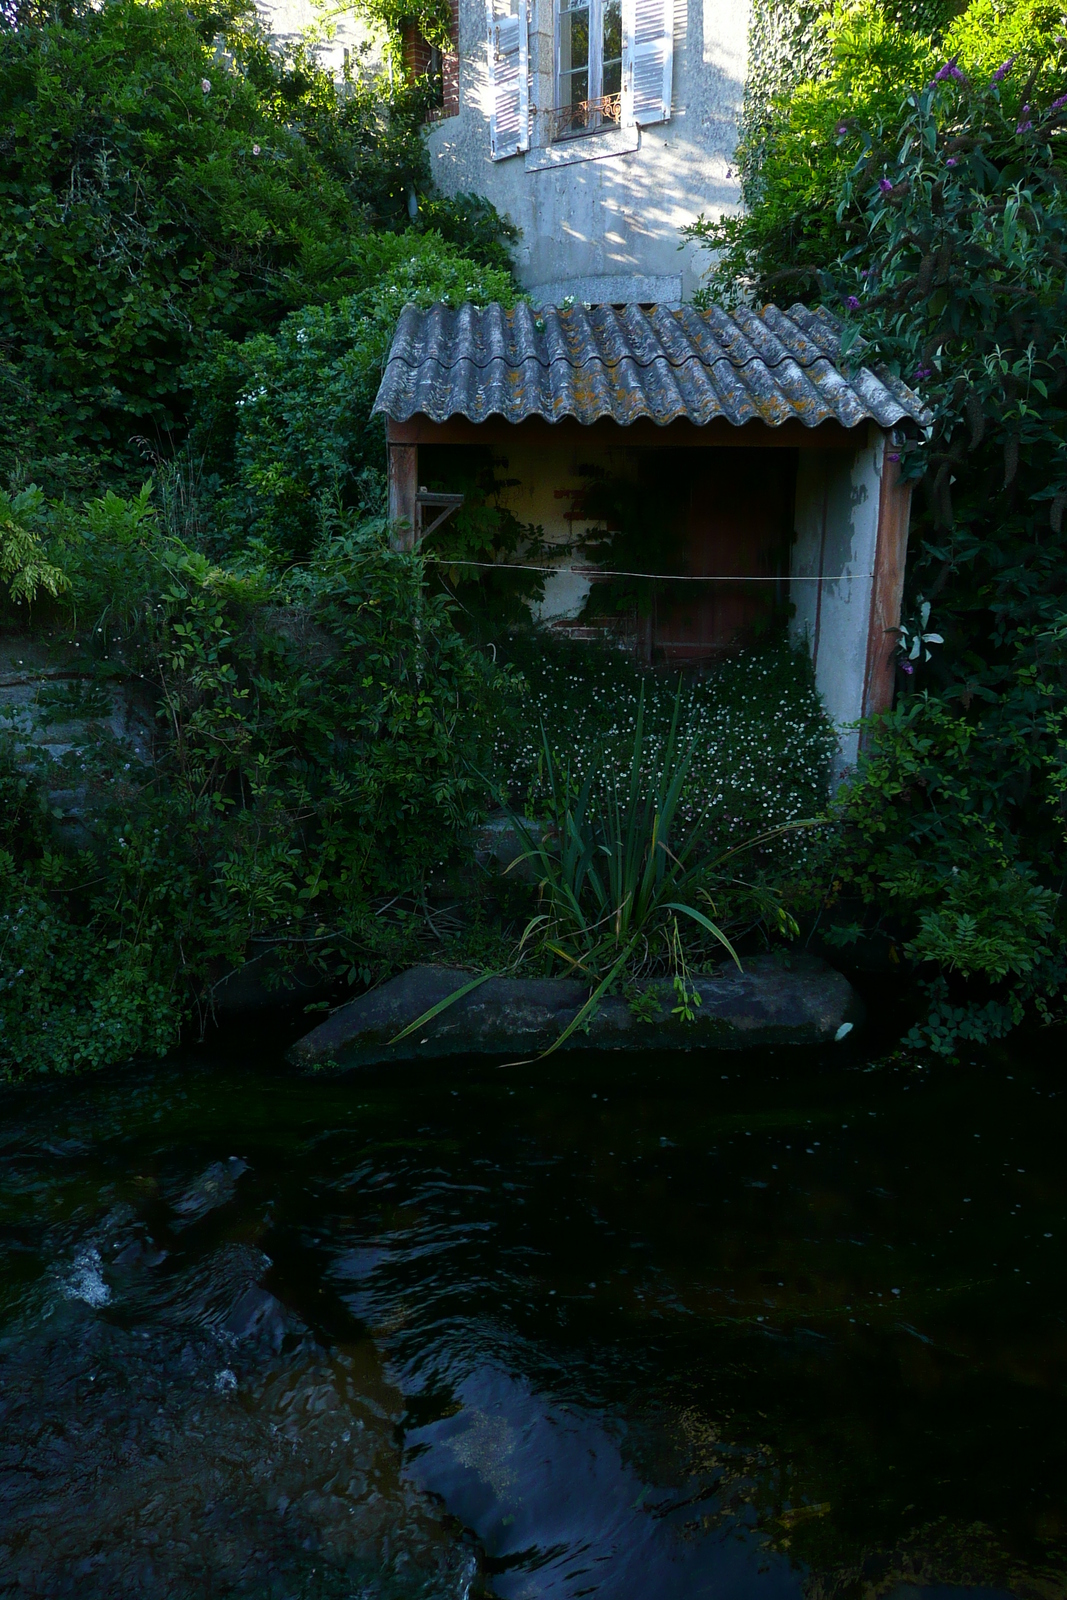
(886, 186)
(952, 161)
(852, 303)
(1003, 70)
(921, 373)
(1023, 125)
(842, 127)
(906, 666)
(950, 70)
(894, 455)
(1056, 104)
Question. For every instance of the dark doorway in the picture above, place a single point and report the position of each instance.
(712, 527)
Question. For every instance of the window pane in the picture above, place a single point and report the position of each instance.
(612, 46)
(573, 43)
(574, 89)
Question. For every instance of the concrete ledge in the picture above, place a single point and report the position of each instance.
(804, 1003)
(617, 290)
(585, 147)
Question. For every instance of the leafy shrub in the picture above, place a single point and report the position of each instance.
(962, 288)
(318, 762)
(164, 175)
(926, 847)
(24, 566)
(285, 418)
(925, 204)
(805, 135)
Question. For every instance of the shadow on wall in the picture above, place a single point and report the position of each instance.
(288, 21)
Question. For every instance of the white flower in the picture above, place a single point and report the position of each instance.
(255, 149)
(205, 84)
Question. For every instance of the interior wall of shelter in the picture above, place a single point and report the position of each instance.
(713, 524)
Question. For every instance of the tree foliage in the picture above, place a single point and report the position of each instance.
(166, 176)
(828, 76)
(936, 163)
(284, 419)
(318, 758)
(204, 246)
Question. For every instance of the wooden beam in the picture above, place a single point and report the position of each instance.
(403, 487)
(887, 589)
(443, 504)
(645, 433)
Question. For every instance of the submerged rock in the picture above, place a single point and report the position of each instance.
(257, 1315)
(804, 1002)
(214, 1187)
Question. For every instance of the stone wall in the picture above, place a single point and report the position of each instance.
(88, 738)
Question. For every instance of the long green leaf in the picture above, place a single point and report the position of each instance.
(705, 922)
(584, 1011)
(443, 1005)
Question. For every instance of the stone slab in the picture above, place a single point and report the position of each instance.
(804, 1002)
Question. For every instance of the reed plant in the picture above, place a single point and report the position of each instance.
(630, 889)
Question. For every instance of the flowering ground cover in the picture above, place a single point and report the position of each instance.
(763, 743)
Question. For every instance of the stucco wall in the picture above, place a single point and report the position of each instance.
(288, 21)
(543, 483)
(618, 214)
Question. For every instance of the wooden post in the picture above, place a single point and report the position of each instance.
(887, 589)
(403, 487)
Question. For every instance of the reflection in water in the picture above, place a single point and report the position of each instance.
(795, 1329)
(530, 1476)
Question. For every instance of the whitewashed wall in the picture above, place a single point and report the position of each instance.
(287, 20)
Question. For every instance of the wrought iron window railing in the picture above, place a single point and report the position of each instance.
(586, 116)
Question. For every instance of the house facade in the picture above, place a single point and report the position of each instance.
(600, 128)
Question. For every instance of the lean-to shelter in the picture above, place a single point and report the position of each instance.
(751, 469)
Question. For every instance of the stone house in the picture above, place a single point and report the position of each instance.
(600, 128)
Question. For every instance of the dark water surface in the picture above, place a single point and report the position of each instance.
(762, 1327)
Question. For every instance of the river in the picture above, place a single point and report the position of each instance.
(764, 1326)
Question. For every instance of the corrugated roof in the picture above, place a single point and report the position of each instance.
(570, 361)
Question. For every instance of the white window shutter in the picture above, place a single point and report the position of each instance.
(509, 78)
(647, 60)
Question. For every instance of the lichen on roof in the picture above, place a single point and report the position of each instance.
(630, 362)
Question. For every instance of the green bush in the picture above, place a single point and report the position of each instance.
(319, 762)
(285, 417)
(805, 134)
(913, 180)
(165, 176)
